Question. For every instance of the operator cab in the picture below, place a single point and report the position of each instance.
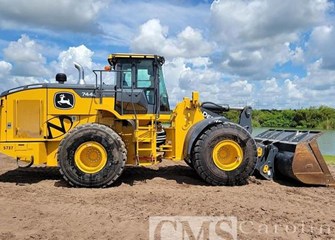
(140, 86)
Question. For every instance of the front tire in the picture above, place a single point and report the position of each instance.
(225, 154)
(189, 162)
(91, 155)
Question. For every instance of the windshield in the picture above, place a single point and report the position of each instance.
(164, 106)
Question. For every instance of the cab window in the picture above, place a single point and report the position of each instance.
(126, 75)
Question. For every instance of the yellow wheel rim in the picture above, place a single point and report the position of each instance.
(227, 155)
(90, 157)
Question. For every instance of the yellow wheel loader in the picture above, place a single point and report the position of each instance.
(93, 131)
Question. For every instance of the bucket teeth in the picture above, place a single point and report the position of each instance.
(295, 155)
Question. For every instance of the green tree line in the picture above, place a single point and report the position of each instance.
(322, 117)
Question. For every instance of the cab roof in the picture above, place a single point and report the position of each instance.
(114, 56)
(131, 55)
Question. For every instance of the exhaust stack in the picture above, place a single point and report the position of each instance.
(81, 80)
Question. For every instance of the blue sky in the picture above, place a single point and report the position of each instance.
(264, 53)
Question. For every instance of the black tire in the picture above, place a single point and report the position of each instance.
(188, 161)
(202, 155)
(104, 136)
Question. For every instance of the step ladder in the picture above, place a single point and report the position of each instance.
(145, 142)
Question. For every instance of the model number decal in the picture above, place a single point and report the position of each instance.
(8, 147)
(88, 94)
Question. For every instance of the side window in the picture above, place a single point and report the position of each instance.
(144, 79)
(164, 100)
(126, 79)
(125, 75)
(109, 78)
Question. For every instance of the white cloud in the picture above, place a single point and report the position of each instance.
(257, 63)
(270, 86)
(62, 14)
(292, 90)
(5, 68)
(316, 89)
(319, 78)
(182, 76)
(25, 64)
(197, 74)
(153, 38)
(26, 58)
(24, 50)
(232, 51)
(241, 85)
(321, 45)
(255, 35)
(192, 43)
(298, 55)
(80, 54)
(119, 29)
(191, 78)
(16, 81)
(253, 23)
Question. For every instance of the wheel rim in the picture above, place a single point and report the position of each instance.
(90, 157)
(227, 155)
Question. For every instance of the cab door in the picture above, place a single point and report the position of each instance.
(136, 87)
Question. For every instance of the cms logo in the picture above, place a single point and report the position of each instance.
(192, 227)
(64, 100)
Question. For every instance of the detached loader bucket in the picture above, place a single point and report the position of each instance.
(294, 154)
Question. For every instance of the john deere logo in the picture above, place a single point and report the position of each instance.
(64, 100)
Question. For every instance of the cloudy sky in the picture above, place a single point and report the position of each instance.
(264, 53)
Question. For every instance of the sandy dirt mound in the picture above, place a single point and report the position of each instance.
(37, 204)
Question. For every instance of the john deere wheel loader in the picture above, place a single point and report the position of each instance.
(92, 131)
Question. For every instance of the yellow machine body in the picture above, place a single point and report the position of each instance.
(32, 127)
(40, 124)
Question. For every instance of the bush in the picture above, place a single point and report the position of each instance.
(313, 118)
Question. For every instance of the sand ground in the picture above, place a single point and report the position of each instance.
(37, 204)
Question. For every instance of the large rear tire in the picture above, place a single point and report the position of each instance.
(91, 155)
(225, 154)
